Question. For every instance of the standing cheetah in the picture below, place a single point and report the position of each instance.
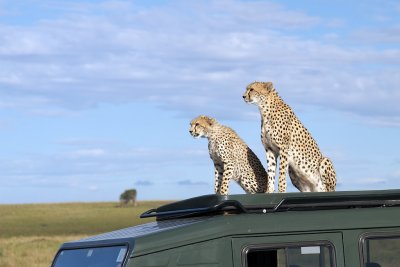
(232, 158)
(284, 136)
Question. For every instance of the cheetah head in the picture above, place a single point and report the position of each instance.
(199, 127)
(256, 90)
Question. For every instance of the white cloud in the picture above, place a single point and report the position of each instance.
(94, 152)
(82, 167)
(144, 183)
(188, 182)
(93, 188)
(389, 35)
(188, 55)
(382, 121)
(371, 180)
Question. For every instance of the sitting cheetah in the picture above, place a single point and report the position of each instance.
(283, 135)
(232, 158)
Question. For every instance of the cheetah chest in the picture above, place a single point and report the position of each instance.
(216, 154)
(213, 151)
(268, 140)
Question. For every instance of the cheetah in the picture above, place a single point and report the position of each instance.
(284, 136)
(232, 158)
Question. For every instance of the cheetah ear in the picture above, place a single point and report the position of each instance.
(212, 121)
(269, 86)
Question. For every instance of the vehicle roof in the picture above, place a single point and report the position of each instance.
(257, 214)
(266, 203)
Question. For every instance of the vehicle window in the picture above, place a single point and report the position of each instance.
(291, 256)
(92, 257)
(381, 251)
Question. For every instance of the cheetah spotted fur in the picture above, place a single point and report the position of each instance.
(284, 136)
(232, 158)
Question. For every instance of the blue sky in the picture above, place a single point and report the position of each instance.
(96, 96)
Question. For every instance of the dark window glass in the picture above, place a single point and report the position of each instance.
(92, 257)
(291, 256)
(382, 252)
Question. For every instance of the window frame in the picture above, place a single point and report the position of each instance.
(283, 245)
(94, 246)
(362, 244)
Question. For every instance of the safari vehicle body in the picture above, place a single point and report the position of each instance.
(270, 230)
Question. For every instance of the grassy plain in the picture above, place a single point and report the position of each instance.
(31, 234)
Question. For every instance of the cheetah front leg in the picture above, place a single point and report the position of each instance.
(226, 176)
(218, 178)
(283, 166)
(271, 163)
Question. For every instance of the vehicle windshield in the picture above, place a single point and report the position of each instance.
(92, 257)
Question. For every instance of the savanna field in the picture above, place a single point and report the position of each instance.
(31, 234)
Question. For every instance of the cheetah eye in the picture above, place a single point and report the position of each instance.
(197, 124)
(251, 89)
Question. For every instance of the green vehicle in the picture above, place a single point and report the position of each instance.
(335, 229)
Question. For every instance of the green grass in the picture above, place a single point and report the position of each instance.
(69, 218)
(31, 234)
(30, 251)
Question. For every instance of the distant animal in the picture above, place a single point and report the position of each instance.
(232, 158)
(284, 136)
